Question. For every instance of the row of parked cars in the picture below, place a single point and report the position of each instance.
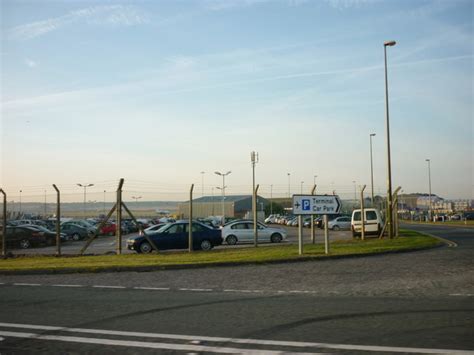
(205, 235)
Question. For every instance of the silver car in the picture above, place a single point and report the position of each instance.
(340, 223)
(242, 231)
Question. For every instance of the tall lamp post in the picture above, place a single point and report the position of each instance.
(371, 171)
(104, 200)
(223, 192)
(429, 185)
(314, 179)
(85, 186)
(355, 191)
(301, 189)
(389, 165)
(271, 199)
(136, 198)
(289, 193)
(20, 201)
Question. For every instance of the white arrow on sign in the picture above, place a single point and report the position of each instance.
(316, 204)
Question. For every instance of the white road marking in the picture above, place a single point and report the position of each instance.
(237, 340)
(196, 289)
(25, 284)
(66, 285)
(153, 288)
(138, 344)
(462, 294)
(105, 286)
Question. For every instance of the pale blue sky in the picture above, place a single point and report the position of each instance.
(158, 91)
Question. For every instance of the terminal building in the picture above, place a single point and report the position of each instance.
(235, 206)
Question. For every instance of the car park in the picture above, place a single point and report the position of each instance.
(175, 236)
(242, 231)
(50, 236)
(108, 229)
(373, 222)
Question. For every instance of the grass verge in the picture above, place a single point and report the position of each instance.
(409, 240)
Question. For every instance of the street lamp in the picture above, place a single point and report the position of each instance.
(85, 186)
(44, 203)
(289, 193)
(355, 191)
(389, 165)
(136, 198)
(223, 192)
(20, 201)
(301, 190)
(429, 182)
(271, 199)
(104, 200)
(371, 169)
(314, 179)
(202, 183)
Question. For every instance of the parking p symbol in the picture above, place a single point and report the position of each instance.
(306, 205)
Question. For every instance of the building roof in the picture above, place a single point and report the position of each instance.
(218, 198)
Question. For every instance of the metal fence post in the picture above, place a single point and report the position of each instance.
(326, 234)
(58, 221)
(300, 235)
(255, 220)
(313, 231)
(362, 213)
(118, 229)
(4, 233)
(395, 210)
(190, 231)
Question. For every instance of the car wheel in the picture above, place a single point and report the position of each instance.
(276, 238)
(25, 244)
(231, 240)
(336, 228)
(76, 237)
(206, 245)
(145, 248)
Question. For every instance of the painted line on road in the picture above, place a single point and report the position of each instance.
(196, 289)
(137, 344)
(105, 286)
(58, 285)
(260, 342)
(25, 284)
(152, 288)
(462, 294)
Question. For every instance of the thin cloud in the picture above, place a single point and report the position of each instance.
(346, 4)
(100, 15)
(30, 63)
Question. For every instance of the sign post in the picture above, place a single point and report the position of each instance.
(316, 205)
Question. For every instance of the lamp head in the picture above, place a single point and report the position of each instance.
(390, 43)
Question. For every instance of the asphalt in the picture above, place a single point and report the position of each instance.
(396, 303)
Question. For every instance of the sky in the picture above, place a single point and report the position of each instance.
(157, 92)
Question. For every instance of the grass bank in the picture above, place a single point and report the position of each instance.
(409, 240)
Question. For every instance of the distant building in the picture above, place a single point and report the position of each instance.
(234, 206)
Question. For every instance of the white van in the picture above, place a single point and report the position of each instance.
(373, 222)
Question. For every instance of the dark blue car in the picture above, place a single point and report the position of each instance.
(175, 236)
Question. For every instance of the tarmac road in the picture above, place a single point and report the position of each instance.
(419, 302)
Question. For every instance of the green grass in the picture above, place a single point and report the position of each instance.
(262, 254)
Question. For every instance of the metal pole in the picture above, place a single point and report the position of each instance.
(44, 203)
(223, 200)
(4, 227)
(255, 221)
(190, 227)
(20, 202)
(395, 209)
(355, 191)
(362, 213)
(58, 221)
(371, 170)
(289, 193)
(389, 164)
(300, 235)
(104, 201)
(429, 182)
(271, 199)
(301, 188)
(118, 228)
(313, 231)
(202, 183)
(326, 234)
(212, 201)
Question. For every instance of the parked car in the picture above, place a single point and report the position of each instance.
(242, 231)
(373, 222)
(175, 236)
(23, 236)
(81, 223)
(108, 229)
(340, 223)
(49, 235)
(75, 231)
(152, 229)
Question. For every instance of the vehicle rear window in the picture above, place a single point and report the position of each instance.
(370, 215)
